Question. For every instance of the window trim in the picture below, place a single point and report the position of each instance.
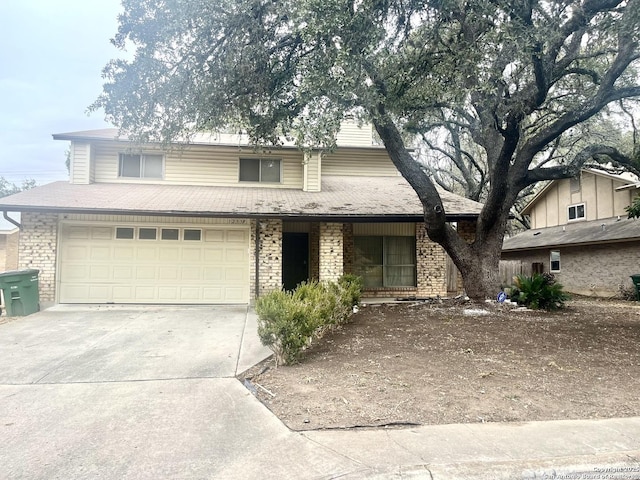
(575, 206)
(552, 261)
(385, 265)
(143, 157)
(260, 160)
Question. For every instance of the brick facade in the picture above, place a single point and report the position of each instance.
(431, 267)
(595, 270)
(38, 249)
(331, 251)
(270, 257)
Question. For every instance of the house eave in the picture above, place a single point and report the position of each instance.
(301, 217)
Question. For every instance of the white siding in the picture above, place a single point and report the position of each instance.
(597, 192)
(352, 135)
(370, 162)
(312, 172)
(197, 165)
(80, 165)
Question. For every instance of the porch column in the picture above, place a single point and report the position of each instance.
(331, 251)
(432, 265)
(269, 256)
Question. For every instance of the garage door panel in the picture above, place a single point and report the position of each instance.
(145, 293)
(122, 273)
(214, 236)
(169, 254)
(99, 272)
(123, 253)
(145, 273)
(234, 294)
(97, 267)
(234, 275)
(74, 273)
(99, 293)
(78, 232)
(190, 294)
(167, 293)
(191, 254)
(236, 236)
(76, 253)
(123, 293)
(235, 255)
(213, 255)
(101, 233)
(168, 273)
(147, 253)
(190, 274)
(213, 294)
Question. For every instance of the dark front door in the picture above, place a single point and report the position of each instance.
(295, 259)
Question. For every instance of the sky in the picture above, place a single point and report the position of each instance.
(52, 53)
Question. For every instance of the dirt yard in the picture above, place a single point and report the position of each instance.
(422, 363)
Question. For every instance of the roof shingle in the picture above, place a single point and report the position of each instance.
(365, 197)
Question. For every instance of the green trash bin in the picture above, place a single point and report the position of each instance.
(21, 293)
(636, 281)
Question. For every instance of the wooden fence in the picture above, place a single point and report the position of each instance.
(511, 268)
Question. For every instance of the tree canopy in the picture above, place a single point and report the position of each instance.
(514, 78)
(9, 188)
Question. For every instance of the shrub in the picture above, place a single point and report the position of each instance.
(539, 291)
(289, 321)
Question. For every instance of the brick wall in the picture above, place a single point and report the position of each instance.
(270, 256)
(432, 265)
(595, 270)
(331, 251)
(38, 248)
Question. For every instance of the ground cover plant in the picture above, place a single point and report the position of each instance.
(289, 321)
(439, 363)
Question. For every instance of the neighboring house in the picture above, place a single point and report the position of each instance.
(8, 246)
(580, 232)
(219, 222)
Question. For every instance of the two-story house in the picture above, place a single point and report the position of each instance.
(218, 221)
(580, 232)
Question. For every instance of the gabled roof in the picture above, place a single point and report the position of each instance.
(342, 198)
(578, 233)
(629, 180)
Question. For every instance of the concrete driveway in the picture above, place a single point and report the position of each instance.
(149, 393)
(140, 392)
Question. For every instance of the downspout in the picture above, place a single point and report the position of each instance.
(11, 220)
(257, 257)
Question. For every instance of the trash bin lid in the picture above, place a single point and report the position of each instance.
(12, 273)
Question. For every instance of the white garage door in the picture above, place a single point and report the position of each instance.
(154, 264)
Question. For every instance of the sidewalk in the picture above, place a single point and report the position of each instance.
(572, 449)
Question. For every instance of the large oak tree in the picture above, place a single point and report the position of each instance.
(515, 76)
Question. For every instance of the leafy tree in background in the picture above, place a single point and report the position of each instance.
(9, 188)
(516, 78)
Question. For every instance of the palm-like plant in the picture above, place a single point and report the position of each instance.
(539, 292)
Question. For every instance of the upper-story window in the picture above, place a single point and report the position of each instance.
(140, 166)
(266, 170)
(576, 212)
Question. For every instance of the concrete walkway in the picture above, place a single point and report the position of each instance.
(149, 393)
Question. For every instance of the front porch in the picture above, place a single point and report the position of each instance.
(395, 259)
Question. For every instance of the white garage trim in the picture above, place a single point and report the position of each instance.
(171, 263)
